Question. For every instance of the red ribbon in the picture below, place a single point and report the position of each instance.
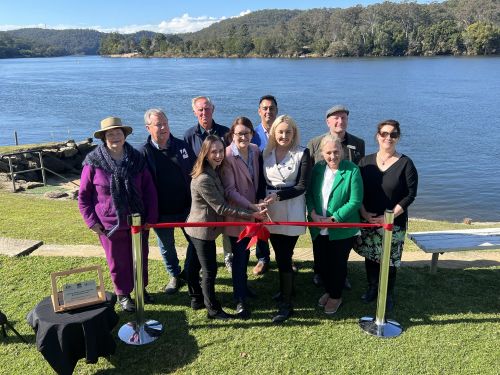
(257, 231)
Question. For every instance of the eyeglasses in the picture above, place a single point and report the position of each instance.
(393, 135)
(242, 134)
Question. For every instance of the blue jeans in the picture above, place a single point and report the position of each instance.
(240, 264)
(166, 242)
(262, 251)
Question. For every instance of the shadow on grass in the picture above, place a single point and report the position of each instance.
(175, 348)
(421, 298)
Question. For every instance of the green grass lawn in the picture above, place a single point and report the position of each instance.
(29, 216)
(451, 319)
(451, 325)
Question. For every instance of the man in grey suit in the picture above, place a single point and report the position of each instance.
(337, 120)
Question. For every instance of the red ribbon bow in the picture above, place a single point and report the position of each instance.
(256, 232)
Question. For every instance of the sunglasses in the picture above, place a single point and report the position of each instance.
(393, 135)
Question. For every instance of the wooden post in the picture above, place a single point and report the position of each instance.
(15, 137)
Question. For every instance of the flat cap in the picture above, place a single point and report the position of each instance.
(337, 108)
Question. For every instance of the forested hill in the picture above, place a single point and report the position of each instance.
(36, 42)
(453, 27)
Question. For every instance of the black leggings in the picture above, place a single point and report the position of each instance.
(283, 248)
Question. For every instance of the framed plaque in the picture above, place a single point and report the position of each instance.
(80, 293)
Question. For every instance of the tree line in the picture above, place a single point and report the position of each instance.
(453, 27)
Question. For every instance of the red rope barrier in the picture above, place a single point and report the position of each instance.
(257, 231)
(267, 223)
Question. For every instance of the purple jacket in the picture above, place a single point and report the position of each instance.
(96, 204)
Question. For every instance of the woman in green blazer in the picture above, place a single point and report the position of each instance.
(334, 195)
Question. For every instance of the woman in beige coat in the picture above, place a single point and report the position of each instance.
(208, 205)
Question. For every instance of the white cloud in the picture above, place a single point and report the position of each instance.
(176, 25)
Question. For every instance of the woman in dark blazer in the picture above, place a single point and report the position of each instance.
(335, 194)
(241, 176)
(208, 205)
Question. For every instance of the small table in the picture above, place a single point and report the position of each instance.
(455, 240)
(64, 338)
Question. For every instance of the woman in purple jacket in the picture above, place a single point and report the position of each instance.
(115, 183)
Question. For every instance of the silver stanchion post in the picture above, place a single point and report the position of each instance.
(379, 326)
(141, 331)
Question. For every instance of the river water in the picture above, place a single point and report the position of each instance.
(448, 108)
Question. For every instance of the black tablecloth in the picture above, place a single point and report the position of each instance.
(64, 338)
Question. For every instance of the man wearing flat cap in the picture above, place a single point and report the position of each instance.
(337, 119)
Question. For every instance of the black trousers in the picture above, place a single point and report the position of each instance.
(203, 256)
(283, 248)
(373, 274)
(332, 261)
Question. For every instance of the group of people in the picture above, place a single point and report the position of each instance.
(242, 173)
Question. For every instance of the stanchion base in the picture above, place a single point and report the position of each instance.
(389, 329)
(133, 334)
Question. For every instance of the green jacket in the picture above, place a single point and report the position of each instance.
(344, 202)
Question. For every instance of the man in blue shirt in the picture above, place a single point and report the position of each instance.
(268, 110)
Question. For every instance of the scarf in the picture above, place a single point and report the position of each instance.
(124, 194)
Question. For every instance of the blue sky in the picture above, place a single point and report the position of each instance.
(156, 15)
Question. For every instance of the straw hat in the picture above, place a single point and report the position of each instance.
(112, 123)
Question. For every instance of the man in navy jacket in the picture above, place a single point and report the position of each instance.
(203, 109)
(170, 161)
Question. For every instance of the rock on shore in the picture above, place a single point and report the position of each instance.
(62, 158)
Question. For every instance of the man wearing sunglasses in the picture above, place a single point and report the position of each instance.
(337, 120)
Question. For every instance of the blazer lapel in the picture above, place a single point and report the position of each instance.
(243, 168)
(339, 177)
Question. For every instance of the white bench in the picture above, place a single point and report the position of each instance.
(455, 240)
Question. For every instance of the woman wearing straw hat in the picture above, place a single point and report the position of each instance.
(114, 183)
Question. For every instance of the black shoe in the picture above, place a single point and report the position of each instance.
(242, 311)
(317, 280)
(126, 303)
(148, 299)
(220, 315)
(174, 285)
(347, 284)
(285, 311)
(196, 304)
(371, 294)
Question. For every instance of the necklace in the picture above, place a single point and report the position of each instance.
(383, 161)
